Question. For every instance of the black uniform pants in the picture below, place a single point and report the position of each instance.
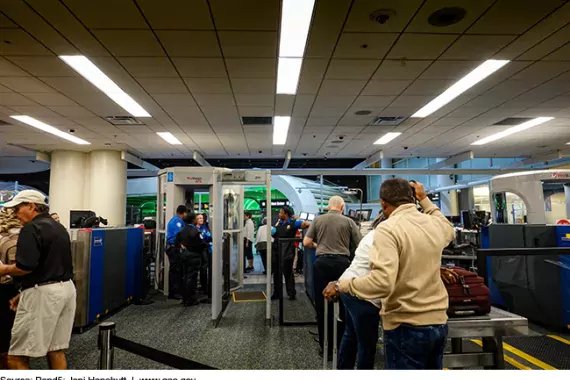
(263, 254)
(190, 262)
(328, 268)
(287, 270)
(206, 273)
(174, 271)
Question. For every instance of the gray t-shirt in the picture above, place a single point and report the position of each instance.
(334, 234)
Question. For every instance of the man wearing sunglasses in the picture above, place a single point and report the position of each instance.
(45, 306)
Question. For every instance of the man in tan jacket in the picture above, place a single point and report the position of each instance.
(405, 259)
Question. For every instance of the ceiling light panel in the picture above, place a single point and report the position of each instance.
(387, 138)
(169, 138)
(49, 129)
(296, 18)
(93, 74)
(477, 75)
(517, 128)
(280, 129)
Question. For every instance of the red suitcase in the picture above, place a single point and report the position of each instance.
(468, 295)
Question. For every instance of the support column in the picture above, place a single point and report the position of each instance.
(448, 198)
(67, 183)
(108, 186)
(567, 199)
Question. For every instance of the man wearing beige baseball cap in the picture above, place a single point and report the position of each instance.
(45, 307)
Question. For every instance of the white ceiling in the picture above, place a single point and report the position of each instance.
(197, 66)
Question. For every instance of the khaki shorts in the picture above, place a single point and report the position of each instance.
(44, 320)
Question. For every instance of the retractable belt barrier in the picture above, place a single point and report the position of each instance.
(282, 321)
(108, 341)
(336, 308)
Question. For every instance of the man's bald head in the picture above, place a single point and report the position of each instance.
(336, 203)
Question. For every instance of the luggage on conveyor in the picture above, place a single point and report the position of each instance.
(467, 292)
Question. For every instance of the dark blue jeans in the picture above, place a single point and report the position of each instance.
(360, 337)
(415, 347)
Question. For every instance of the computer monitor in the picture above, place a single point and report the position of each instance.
(363, 215)
(311, 217)
(303, 216)
(466, 219)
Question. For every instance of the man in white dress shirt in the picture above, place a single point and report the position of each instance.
(248, 241)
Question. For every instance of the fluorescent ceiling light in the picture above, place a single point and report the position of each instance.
(280, 129)
(295, 22)
(49, 129)
(387, 138)
(481, 72)
(169, 138)
(98, 78)
(517, 128)
(288, 72)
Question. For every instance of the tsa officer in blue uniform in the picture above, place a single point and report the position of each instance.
(175, 272)
(285, 228)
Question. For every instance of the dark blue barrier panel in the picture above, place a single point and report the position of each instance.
(134, 275)
(309, 271)
(96, 274)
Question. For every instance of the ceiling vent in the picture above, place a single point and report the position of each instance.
(257, 120)
(384, 120)
(447, 16)
(513, 121)
(122, 120)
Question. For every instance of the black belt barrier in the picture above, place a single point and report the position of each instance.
(108, 341)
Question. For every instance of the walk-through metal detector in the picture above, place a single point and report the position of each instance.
(176, 186)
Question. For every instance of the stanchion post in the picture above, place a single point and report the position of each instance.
(106, 350)
(336, 308)
(326, 336)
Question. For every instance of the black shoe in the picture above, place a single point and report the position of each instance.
(275, 297)
(247, 270)
(292, 298)
(193, 302)
(177, 297)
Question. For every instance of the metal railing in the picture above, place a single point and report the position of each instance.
(108, 341)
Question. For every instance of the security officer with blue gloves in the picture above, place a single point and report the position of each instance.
(175, 272)
(285, 228)
(191, 244)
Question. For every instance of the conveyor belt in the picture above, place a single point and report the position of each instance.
(550, 353)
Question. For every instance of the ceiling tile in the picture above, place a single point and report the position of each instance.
(333, 101)
(25, 84)
(185, 43)
(252, 100)
(13, 99)
(401, 69)
(155, 67)
(130, 43)
(252, 68)
(327, 24)
(351, 69)
(364, 45)
(72, 111)
(471, 47)
(246, 14)
(284, 104)
(18, 42)
(519, 19)
(208, 85)
(163, 85)
(386, 87)
(428, 87)
(50, 99)
(341, 87)
(449, 69)
(421, 46)
(248, 44)
(255, 111)
(200, 67)
(177, 14)
(367, 101)
(44, 66)
(253, 85)
(107, 14)
(549, 45)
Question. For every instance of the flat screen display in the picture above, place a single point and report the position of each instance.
(303, 216)
(311, 217)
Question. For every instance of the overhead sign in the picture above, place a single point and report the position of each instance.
(276, 203)
(558, 175)
(170, 177)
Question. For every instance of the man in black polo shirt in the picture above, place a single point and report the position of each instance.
(45, 308)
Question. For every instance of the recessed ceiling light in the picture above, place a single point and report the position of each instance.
(288, 72)
(169, 138)
(93, 74)
(387, 138)
(518, 128)
(49, 129)
(481, 72)
(280, 129)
